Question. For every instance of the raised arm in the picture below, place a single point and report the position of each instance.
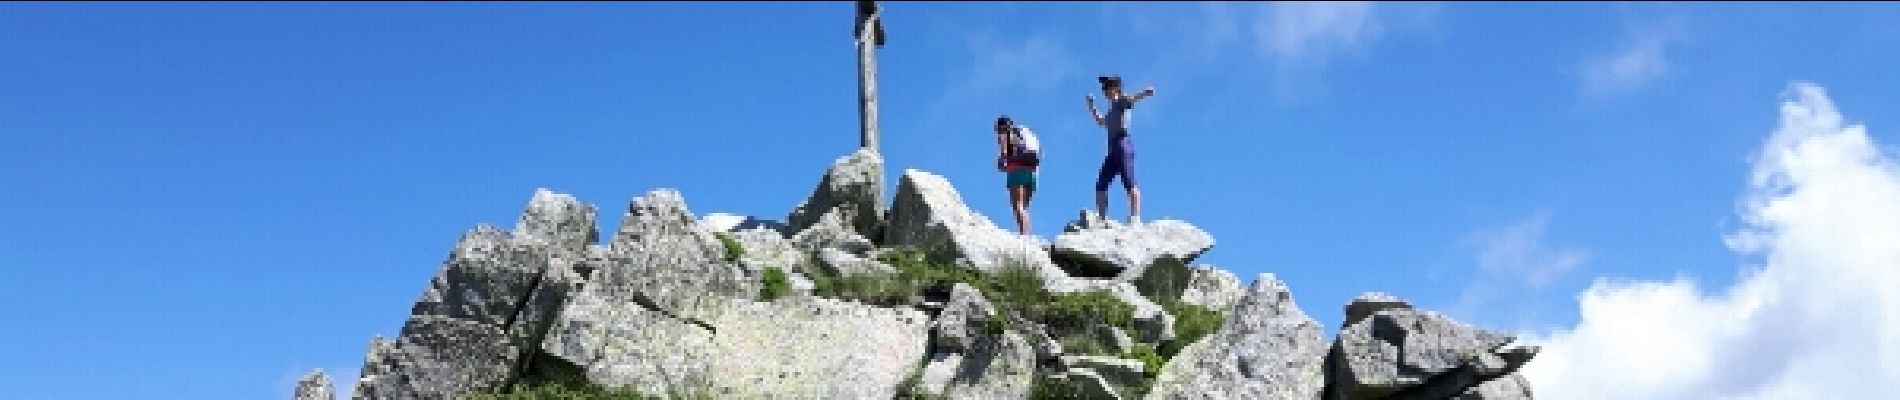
(1150, 91)
(1092, 113)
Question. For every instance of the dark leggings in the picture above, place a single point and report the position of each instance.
(1120, 161)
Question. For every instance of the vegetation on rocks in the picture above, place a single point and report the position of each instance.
(774, 284)
(1191, 322)
(733, 249)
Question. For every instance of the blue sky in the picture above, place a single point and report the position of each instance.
(207, 200)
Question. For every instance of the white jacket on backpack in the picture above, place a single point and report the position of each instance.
(1025, 146)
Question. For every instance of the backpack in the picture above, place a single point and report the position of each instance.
(1024, 148)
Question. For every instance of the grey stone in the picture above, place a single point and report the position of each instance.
(853, 187)
(491, 301)
(928, 215)
(1266, 349)
(997, 367)
(965, 319)
(830, 232)
(1212, 287)
(558, 222)
(1371, 302)
(765, 248)
(801, 285)
(442, 357)
(1508, 387)
(662, 259)
(1399, 352)
(799, 347)
(847, 264)
(809, 347)
(1125, 252)
(377, 362)
(314, 386)
(622, 343)
(1089, 220)
(484, 280)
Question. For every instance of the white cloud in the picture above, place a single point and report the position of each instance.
(1001, 68)
(1040, 61)
(1310, 33)
(1514, 262)
(1639, 63)
(1518, 252)
(1818, 319)
(1641, 60)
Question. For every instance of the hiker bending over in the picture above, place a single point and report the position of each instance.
(1018, 155)
(1121, 153)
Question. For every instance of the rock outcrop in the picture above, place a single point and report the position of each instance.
(673, 306)
(1122, 252)
(854, 187)
(972, 356)
(483, 311)
(1267, 349)
(928, 215)
(1211, 287)
(1396, 352)
(314, 386)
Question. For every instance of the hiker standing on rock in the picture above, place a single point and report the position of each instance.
(1121, 153)
(1018, 155)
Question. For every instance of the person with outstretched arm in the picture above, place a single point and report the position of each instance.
(1120, 160)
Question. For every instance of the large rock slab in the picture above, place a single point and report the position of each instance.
(442, 357)
(1399, 352)
(314, 386)
(765, 248)
(831, 232)
(1266, 349)
(1124, 252)
(854, 186)
(971, 358)
(644, 318)
(1212, 287)
(798, 347)
(491, 301)
(928, 215)
(814, 348)
(662, 259)
(622, 343)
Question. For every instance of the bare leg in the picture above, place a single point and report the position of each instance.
(1134, 204)
(1019, 202)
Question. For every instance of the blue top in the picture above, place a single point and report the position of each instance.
(1118, 117)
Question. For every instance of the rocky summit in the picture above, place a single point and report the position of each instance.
(923, 297)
